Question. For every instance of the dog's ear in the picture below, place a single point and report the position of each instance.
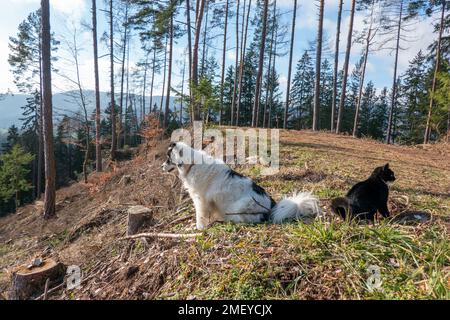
(386, 167)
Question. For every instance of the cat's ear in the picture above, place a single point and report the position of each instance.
(386, 167)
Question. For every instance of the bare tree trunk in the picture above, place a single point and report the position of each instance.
(40, 158)
(291, 52)
(224, 51)
(113, 103)
(198, 24)
(204, 53)
(98, 144)
(144, 88)
(394, 84)
(233, 100)
(153, 79)
(49, 155)
(169, 76)
(189, 36)
(127, 99)
(269, 119)
(363, 73)
(122, 80)
(336, 66)
(83, 105)
(269, 70)
(346, 65)
(260, 65)
(164, 79)
(426, 138)
(318, 65)
(182, 91)
(242, 62)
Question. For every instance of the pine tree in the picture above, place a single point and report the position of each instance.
(302, 93)
(13, 174)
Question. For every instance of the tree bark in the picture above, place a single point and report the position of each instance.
(241, 66)
(122, 80)
(346, 65)
(198, 24)
(426, 138)
(318, 65)
(224, 51)
(363, 73)
(153, 79)
(98, 145)
(291, 53)
(394, 82)
(113, 110)
(189, 36)
(49, 155)
(164, 80)
(260, 66)
(336, 66)
(269, 71)
(169, 76)
(233, 100)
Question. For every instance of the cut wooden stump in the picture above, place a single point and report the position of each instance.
(28, 280)
(137, 216)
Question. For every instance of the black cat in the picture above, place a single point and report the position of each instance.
(366, 197)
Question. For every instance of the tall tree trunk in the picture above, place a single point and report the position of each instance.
(198, 23)
(260, 65)
(394, 82)
(363, 73)
(122, 80)
(291, 53)
(153, 79)
(233, 100)
(224, 51)
(346, 65)
(269, 118)
(164, 80)
(204, 52)
(318, 65)
(189, 36)
(242, 62)
(426, 138)
(40, 158)
(269, 68)
(113, 103)
(49, 155)
(127, 99)
(169, 76)
(98, 144)
(182, 91)
(144, 89)
(336, 66)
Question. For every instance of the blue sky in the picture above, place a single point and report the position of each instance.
(65, 14)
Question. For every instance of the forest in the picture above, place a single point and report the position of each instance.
(248, 92)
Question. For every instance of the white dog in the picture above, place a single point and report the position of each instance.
(221, 194)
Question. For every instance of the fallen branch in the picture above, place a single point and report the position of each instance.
(163, 235)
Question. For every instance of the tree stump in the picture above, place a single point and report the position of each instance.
(137, 216)
(28, 280)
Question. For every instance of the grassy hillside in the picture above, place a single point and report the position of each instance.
(328, 259)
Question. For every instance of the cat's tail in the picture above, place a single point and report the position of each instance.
(340, 206)
(301, 206)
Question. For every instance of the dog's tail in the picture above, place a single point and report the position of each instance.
(301, 206)
(340, 206)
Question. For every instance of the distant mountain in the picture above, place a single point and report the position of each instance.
(11, 111)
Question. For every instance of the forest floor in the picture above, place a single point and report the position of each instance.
(327, 259)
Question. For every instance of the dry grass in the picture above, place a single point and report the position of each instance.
(324, 260)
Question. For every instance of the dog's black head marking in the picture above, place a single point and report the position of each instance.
(234, 174)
